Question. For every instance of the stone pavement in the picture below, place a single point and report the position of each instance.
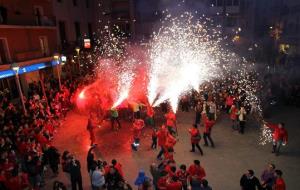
(224, 165)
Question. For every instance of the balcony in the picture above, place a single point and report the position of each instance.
(30, 20)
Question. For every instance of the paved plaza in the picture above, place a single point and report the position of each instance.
(233, 155)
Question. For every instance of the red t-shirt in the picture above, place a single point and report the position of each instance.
(162, 183)
(279, 184)
(196, 171)
(174, 186)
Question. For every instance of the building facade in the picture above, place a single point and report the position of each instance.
(75, 21)
(27, 38)
(119, 16)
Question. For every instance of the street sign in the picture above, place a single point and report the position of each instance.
(87, 43)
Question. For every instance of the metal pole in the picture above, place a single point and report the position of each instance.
(43, 87)
(78, 63)
(58, 74)
(21, 93)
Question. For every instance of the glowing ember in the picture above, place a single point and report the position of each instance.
(81, 94)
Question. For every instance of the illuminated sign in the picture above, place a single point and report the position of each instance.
(87, 43)
(27, 69)
(6, 73)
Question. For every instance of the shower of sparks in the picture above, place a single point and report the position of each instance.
(266, 136)
(183, 55)
(187, 52)
(124, 85)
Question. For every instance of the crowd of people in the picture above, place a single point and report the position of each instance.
(26, 150)
(271, 179)
(25, 137)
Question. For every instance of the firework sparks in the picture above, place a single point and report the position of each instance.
(124, 85)
(266, 135)
(182, 56)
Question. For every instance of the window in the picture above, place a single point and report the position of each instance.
(236, 2)
(87, 3)
(75, 3)
(220, 2)
(214, 2)
(44, 45)
(38, 12)
(229, 2)
(231, 21)
(4, 53)
(77, 30)
(3, 15)
(90, 31)
(62, 33)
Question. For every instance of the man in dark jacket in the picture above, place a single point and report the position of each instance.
(90, 158)
(75, 172)
(113, 178)
(249, 181)
(53, 158)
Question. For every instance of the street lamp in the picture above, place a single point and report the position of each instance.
(56, 58)
(16, 68)
(77, 49)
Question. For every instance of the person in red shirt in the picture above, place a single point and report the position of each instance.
(279, 182)
(170, 141)
(196, 171)
(118, 167)
(208, 123)
(169, 154)
(162, 181)
(174, 184)
(171, 121)
(229, 102)
(195, 138)
(138, 125)
(161, 137)
(182, 176)
(280, 136)
(234, 116)
(150, 116)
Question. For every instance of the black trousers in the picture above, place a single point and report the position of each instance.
(154, 143)
(207, 138)
(198, 146)
(160, 152)
(76, 181)
(54, 168)
(113, 120)
(242, 126)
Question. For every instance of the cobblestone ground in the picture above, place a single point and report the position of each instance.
(224, 165)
